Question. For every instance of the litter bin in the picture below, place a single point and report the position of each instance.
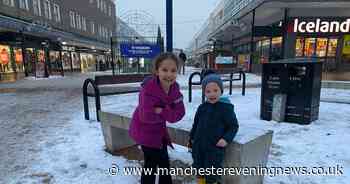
(300, 81)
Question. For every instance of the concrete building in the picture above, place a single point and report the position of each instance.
(43, 37)
(258, 31)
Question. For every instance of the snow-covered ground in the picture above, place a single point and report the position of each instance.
(45, 139)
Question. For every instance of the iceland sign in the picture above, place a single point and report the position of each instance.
(321, 26)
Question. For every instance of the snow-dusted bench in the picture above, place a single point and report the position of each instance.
(249, 149)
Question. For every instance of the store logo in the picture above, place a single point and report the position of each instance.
(320, 26)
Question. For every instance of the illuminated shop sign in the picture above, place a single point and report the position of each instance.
(321, 26)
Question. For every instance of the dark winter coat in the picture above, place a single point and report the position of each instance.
(211, 123)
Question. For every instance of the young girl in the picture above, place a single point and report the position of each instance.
(215, 125)
(160, 101)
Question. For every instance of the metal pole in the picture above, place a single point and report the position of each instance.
(284, 31)
(252, 42)
(112, 55)
(169, 25)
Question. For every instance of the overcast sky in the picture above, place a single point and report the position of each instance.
(188, 15)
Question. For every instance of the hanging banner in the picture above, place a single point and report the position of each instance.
(139, 50)
(346, 47)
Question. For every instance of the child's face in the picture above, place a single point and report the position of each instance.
(212, 92)
(167, 72)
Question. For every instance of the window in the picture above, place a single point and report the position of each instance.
(47, 9)
(105, 8)
(299, 46)
(99, 31)
(23, 4)
(110, 11)
(332, 47)
(92, 27)
(56, 13)
(98, 4)
(78, 21)
(72, 19)
(9, 2)
(102, 5)
(83, 22)
(309, 47)
(105, 33)
(321, 47)
(37, 7)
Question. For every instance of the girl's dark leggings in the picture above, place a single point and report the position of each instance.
(155, 158)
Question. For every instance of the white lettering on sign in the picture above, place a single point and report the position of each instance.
(321, 26)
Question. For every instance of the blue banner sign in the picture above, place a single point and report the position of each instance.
(139, 50)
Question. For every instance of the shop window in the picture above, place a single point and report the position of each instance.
(346, 46)
(19, 59)
(5, 59)
(332, 47)
(299, 46)
(321, 47)
(310, 47)
(76, 61)
(40, 65)
(66, 60)
(277, 42)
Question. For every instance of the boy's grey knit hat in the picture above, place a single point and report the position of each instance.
(213, 78)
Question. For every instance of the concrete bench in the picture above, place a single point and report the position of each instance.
(250, 148)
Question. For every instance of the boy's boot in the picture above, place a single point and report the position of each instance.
(201, 180)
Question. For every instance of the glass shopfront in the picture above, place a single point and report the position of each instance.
(269, 49)
(316, 47)
(40, 65)
(5, 59)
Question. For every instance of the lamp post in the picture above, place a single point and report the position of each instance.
(169, 25)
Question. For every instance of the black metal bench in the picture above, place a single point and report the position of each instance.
(224, 76)
(100, 88)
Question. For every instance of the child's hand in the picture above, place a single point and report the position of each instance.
(221, 143)
(158, 110)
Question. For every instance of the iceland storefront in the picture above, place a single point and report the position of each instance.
(270, 30)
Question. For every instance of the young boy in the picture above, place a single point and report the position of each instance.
(215, 125)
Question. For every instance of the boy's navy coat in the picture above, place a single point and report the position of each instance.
(211, 123)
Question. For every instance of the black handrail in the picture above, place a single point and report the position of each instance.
(190, 83)
(86, 100)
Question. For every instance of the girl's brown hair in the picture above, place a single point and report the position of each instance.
(163, 56)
